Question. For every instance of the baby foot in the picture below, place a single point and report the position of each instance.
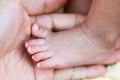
(79, 47)
(38, 47)
(69, 49)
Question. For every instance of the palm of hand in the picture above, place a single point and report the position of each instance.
(15, 29)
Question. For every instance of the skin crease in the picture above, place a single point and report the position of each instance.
(100, 38)
(45, 22)
(13, 55)
(58, 27)
(17, 29)
(17, 32)
(84, 9)
(108, 60)
(26, 18)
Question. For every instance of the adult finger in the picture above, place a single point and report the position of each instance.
(60, 21)
(79, 72)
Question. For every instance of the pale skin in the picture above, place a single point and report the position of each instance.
(14, 58)
(83, 7)
(99, 33)
(15, 25)
(15, 64)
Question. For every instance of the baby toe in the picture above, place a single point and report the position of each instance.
(35, 42)
(41, 56)
(39, 32)
(37, 48)
(48, 64)
(45, 21)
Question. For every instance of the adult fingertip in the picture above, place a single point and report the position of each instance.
(96, 71)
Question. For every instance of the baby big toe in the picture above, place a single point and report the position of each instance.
(39, 32)
(41, 56)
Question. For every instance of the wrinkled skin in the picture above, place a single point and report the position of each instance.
(15, 64)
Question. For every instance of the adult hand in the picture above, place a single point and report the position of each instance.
(92, 71)
(15, 29)
(13, 56)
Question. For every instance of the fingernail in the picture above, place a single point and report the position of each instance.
(38, 65)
